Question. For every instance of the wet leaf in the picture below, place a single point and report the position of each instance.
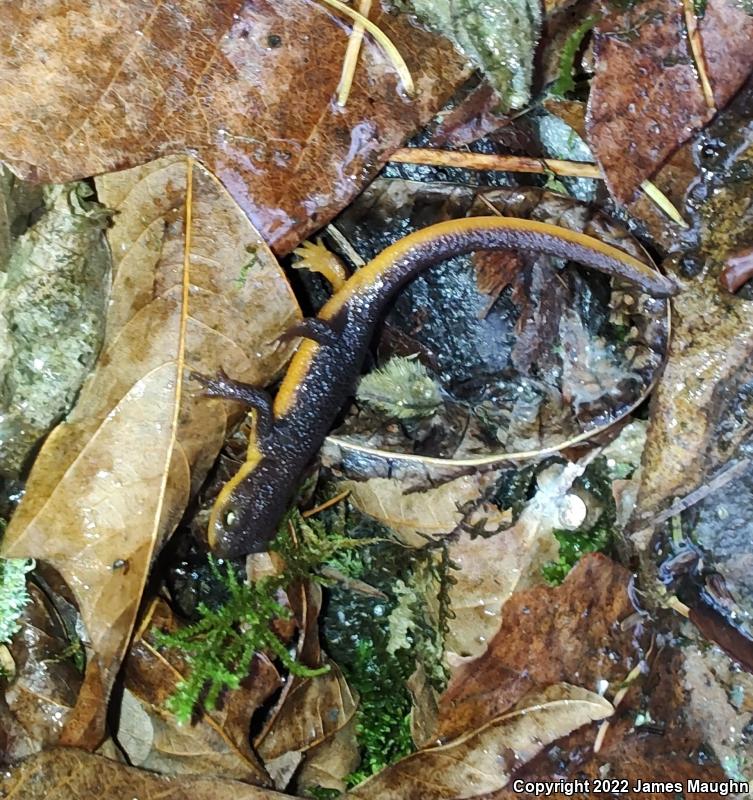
(215, 743)
(649, 737)
(329, 763)
(417, 517)
(110, 483)
(499, 37)
(248, 87)
(646, 97)
(699, 418)
(547, 635)
(310, 711)
(483, 759)
(37, 700)
(53, 295)
(62, 773)
(491, 568)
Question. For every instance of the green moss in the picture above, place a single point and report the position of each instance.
(597, 539)
(573, 545)
(13, 595)
(377, 642)
(565, 83)
(402, 389)
(221, 644)
(220, 647)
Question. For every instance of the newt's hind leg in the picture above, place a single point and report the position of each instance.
(226, 388)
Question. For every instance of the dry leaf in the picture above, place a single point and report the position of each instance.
(329, 763)
(64, 773)
(313, 711)
(417, 517)
(249, 87)
(484, 759)
(217, 743)
(112, 481)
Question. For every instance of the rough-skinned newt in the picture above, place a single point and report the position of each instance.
(325, 369)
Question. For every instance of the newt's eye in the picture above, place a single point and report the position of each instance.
(230, 518)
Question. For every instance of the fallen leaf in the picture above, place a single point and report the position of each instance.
(416, 516)
(491, 568)
(248, 87)
(217, 742)
(483, 760)
(110, 483)
(548, 635)
(313, 712)
(36, 702)
(328, 764)
(646, 96)
(63, 773)
(695, 425)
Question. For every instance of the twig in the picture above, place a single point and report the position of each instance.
(431, 157)
(696, 48)
(484, 161)
(722, 479)
(326, 504)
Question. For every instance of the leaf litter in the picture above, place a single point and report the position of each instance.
(471, 633)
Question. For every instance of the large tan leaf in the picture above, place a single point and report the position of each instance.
(65, 773)
(112, 481)
(92, 87)
(483, 760)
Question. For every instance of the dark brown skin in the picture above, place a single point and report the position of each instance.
(326, 368)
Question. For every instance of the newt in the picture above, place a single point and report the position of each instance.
(324, 371)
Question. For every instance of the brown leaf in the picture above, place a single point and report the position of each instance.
(668, 748)
(110, 484)
(483, 760)
(570, 634)
(695, 423)
(415, 516)
(646, 96)
(247, 86)
(329, 763)
(491, 568)
(63, 773)
(217, 743)
(36, 702)
(313, 712)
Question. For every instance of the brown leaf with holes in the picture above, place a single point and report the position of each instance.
(64, 773)
(215, 743)
(647, 97)
(248, 87)
(112, 481)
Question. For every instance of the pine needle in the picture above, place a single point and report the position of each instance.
(392, 53)
(657, 196)
(351, 56)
